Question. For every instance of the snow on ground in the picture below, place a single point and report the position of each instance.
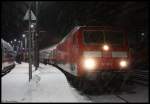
(48, 84)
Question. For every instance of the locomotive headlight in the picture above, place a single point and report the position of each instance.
(123, 63)
(105, 47)
(89, 64)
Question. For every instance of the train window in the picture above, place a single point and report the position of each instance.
(93, 37)
(114, 37)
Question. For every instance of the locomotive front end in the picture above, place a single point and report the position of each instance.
(104, 51)
(99, 61)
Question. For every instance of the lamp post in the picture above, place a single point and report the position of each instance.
(36, 38)
(15, 40)
(30, 56)
(25, 40)
(14, 44)
(30, 17)
(20, 45)
(25, 45)
(32, 26)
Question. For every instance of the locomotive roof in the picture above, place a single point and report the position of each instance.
(100, 27)
(49, 48)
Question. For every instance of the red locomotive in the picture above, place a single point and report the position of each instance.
(89, 51)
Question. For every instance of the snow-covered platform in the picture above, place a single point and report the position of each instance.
(50, 85)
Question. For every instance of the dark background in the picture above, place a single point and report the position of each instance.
(57, 18)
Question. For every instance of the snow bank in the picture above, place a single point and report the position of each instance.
(48, 84)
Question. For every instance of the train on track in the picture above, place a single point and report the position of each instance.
(91, 52)
(8, 57)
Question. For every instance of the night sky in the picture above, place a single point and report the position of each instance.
(58, 18)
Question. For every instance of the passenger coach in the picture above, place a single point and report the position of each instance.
(8, 57)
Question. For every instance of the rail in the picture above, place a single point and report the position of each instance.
(141, 76)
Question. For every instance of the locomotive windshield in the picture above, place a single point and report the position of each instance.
(97, 37)
(93, 36)
(114, 37)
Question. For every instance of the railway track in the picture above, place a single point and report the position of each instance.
(108, 99)
(113, 96)
(108, 95)
(121, 98)
(7, 70)
(141, 76)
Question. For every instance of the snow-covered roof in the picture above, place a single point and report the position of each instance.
(48, 48)
(7, 45)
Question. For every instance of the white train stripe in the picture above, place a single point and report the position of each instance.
(92, 54)
(119, 54)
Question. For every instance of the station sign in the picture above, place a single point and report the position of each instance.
(26, 17)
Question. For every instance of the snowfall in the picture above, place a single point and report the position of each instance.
(49, 84)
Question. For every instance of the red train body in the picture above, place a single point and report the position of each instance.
(92, 49)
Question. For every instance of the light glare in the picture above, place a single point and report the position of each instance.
(32, 26)
(23, 35)
(106, 47)
(123, 63)
(89, 64)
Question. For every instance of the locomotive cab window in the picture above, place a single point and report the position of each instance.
(98, 37)
(115, 38)
(93, 37)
